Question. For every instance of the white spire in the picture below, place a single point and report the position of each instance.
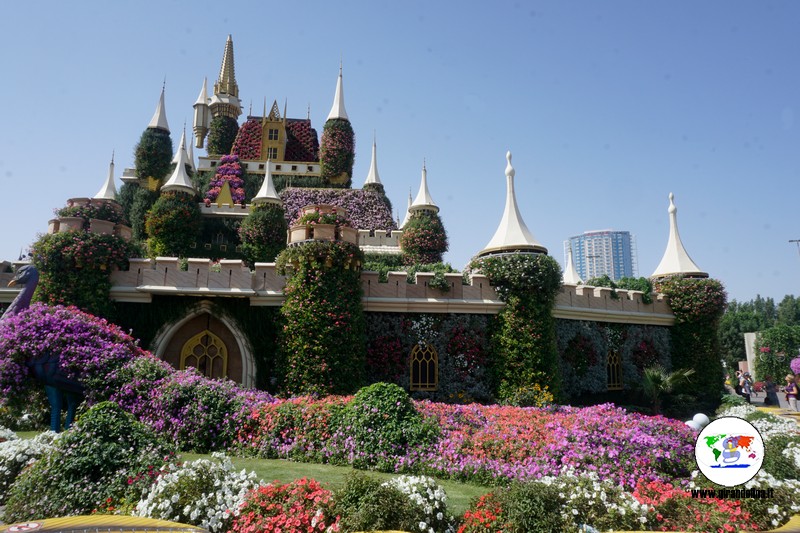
(183, 144)
(159, 120)
(512, 234)
(179, 180)
(408, 211)
(571, 276)
(337, 110)
(267, 193)
(190, 154)
(423, 201)
(108, 191)
(202, 98)
(675, 260)
(373, 176)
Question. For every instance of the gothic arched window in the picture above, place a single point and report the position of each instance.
(207, 353)
(424, 368)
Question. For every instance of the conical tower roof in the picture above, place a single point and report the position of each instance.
(373, 176)
(181, 143)
(338, 110)
(179, 180)
(512, 234)
(226, 84)
(108, 191)
(267, 193)
(202, 98)
(571, 276)
(676, 261)
(190, 155)
(159, 120)
(423, 201)
(408, 211)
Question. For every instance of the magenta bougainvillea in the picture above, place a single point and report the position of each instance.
(228, 170)
(365, 209)
(248, 141)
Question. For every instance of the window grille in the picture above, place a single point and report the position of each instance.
(424, 368)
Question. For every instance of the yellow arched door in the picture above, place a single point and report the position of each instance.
(207, 353)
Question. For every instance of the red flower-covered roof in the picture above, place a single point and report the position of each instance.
(302, 143)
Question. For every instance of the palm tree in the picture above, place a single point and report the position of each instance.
(656, 382)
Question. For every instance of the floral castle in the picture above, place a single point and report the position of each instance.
(260, 263)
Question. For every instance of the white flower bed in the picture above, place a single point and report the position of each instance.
(202, 493)
(430, 497)
(16, 454)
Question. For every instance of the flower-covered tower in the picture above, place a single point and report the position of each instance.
(338, 147)
(424, 238)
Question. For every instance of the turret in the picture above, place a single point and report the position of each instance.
(676, 261)
(512, 234)
(179, 180)
(202, 116)
(267, 194)
(338, 146)
(423, 201)
(108, 191)
(159, 120)
(373, 178)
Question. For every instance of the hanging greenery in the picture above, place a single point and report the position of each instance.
(322, 344)
(698, 305)
(221, 135)
(263, 234)
(173, 224)
(523, 343)
(74, 269)
(337, 151)
(424, 239)
(153, 154)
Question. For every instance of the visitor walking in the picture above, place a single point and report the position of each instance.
(746, 385)
(791, 392)
(771, 389)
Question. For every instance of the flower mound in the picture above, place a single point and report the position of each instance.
(228, 170)
(16, 454)
(365, 209)
(297, 507)
(90, 348)
(431, 499)
(202, 492)
(248, 141)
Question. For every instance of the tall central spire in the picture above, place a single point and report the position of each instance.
(225, 102)
(226, 84)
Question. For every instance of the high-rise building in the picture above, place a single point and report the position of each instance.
(595, 253)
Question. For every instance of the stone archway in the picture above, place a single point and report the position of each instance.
(175, 338)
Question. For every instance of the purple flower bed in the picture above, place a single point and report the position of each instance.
(90, 348)
(228, 170)
(366, 209)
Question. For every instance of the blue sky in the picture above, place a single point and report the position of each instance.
(606, 106)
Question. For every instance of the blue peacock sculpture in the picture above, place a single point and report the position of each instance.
(60, 389)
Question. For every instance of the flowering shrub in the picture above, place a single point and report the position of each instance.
(317, 217)
(365, 209)
(87, 465)
(783, 339)
(366, 504)
(90, 349)
(248, 140)
(424, 239)
(173, 224)
(228, 170)
(431, 499)
(263, 233)
(74, 268)
(524, 344)
(337, 152)
(100, 210)
(323, 333)
(297, 507)
(380, 425)
(201, 492)
(194, 412)
(16, 454)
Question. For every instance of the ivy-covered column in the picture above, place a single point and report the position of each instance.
(323, 347)
(698, 305)
(523, 344)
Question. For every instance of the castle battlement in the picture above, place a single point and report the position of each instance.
(379, 238)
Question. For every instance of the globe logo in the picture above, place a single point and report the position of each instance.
(729, 451)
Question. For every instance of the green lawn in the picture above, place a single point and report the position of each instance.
(458, 494)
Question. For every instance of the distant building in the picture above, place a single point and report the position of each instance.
(595, 253)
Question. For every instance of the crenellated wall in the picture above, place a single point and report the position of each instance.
(264, 287)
